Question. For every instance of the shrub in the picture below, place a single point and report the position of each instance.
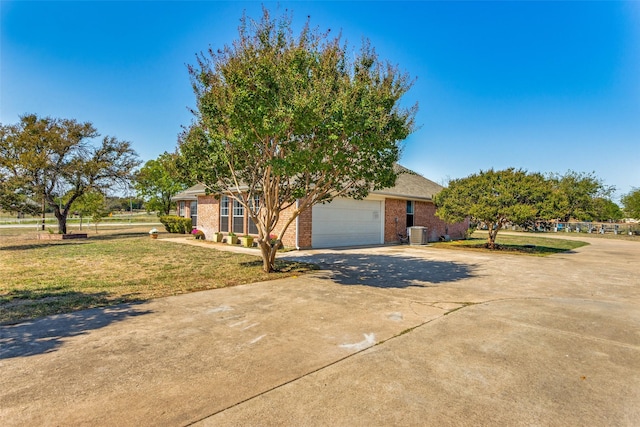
(176, 224)
(198, 234)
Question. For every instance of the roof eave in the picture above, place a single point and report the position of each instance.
(403, 196)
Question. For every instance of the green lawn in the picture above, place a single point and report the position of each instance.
(525, 243)
(123, 265)
(39, 278)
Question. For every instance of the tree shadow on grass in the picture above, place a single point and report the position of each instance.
(47, 334)
(31, 245)
(389, 271)
(122, 235)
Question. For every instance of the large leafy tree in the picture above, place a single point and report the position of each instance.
(54, 161)
(158, 181)
(577, 195)
(631, 203)
(293, 121)
(494, 199)
(606, 210)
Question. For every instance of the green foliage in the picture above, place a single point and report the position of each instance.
(575, 196)
(115, 203)
(606, 210)
(293, 121)
(176, 224)
(158, 181)
(91, 203)
(631, 203)
(48, 159)
(15, 195)
(494, 199)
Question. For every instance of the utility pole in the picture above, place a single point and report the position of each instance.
(43, 208)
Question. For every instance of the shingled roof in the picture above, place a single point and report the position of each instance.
(409, 185)
(190, 193)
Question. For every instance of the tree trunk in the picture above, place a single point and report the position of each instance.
(265, 250)
(268, 255)
(166, 204)
(62, 220)
(493, 233)
(62, 224)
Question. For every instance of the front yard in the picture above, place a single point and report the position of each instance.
(40, 278)
(124, 265)
(520, 243)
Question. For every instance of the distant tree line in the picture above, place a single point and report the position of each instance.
(111, 204)
(494, 199)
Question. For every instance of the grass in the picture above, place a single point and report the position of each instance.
(527, 244)
(119, 265)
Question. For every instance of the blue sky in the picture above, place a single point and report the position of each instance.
(544, 86)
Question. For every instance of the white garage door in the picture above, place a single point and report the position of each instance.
(347, 222)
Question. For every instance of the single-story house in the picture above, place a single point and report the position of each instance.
(378, 219)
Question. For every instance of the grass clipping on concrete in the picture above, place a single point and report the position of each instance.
(40, 278)
(526, 244)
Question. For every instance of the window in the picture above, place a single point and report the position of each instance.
(193, 208)
(224, 213)
(181, 207)
(409, 213)
(253, 229)
(238, 217)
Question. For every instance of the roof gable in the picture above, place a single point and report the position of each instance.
(411, 185)
(190, 193)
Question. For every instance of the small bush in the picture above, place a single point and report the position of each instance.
(176, 224)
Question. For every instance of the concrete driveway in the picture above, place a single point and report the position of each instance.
(381, 336)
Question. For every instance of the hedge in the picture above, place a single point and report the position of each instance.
(176, 224)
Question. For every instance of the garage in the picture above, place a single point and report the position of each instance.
(347, 222)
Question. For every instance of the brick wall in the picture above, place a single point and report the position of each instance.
(304, 232)
(424, 216)
(459, 229)
(305, 228)
(394, 208)
(208, 215)
(289, 237)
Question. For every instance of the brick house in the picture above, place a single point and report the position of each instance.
(378, 219)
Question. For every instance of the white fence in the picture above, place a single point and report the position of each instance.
(584, 227)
